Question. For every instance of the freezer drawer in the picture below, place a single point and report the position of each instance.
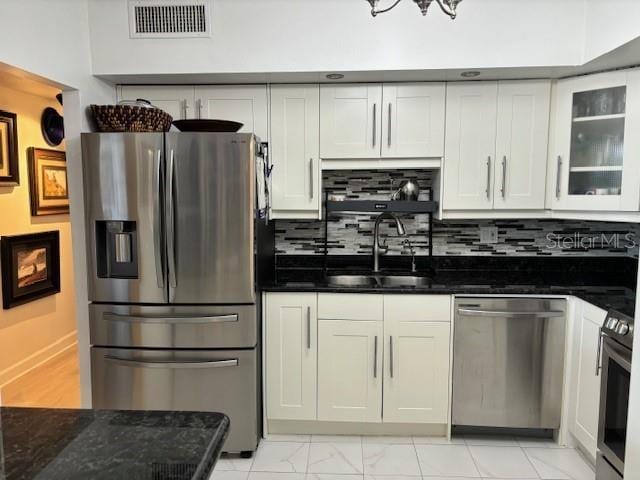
(229, 326)
(191, 380)
(508, 362)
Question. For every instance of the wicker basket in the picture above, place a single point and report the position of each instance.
(128, 118)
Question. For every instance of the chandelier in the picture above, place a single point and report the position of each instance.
(447, 6)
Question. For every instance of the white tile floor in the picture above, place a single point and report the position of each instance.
(324, 457)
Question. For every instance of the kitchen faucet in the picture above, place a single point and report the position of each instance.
(377, 248)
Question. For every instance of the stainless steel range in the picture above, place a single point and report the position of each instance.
(614, 363)
(173, 248)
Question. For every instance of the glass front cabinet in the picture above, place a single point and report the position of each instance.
(594, 153)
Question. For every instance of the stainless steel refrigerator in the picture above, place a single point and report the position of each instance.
(173, 253)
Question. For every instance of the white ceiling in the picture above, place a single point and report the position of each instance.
(256, 41)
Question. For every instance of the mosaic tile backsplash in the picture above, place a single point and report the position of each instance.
(353, 234)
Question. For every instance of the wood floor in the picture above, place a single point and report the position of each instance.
(55, 384)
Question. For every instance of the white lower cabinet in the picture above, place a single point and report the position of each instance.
(291, 355)
(416, 378)
(380, 358)
(350, 370)
(585, 380)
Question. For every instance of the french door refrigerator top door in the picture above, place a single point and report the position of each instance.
(209, 210)
(124, 217)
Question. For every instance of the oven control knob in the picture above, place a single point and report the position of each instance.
(622, 328)
(612, 323)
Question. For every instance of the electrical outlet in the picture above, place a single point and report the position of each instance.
(488, 234)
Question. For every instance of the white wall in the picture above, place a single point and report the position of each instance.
(51, 39)
(609, 24)
(256, 36)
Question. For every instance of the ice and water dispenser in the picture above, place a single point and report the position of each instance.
(117, 249)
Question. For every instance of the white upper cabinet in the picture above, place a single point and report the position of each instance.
(496, 145)
(521, 144)
(291, 355)
(178, 102)
(413, 120)
(294, 150)
(246, 104)
(388, 121)
(470, 146)
(593, 159)
(350, 120)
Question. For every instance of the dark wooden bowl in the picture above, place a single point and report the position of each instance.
(207, 125)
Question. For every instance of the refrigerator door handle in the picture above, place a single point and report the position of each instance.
(115, 317)
(172, 364)
(171, 233)
(157, 222)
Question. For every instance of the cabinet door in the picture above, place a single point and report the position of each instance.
(593, 156)
(585, 405)
(176, 101)
(350, 121)
(413, 120)
(291, 355)
(416, 371)
(521, 144)
(246, 104)
(470, 135)
(294, 150)
(350, 370)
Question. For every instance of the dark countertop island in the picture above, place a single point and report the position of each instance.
(58, 444)
(608, 283)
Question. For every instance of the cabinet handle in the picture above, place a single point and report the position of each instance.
(308, 328)
(374, 124)
(199, 106)
(558, 173)
(488, 177)
(391, 356)
(599, 353)
(389, 128)
(375, 357)
(311, 186)
(503, 190)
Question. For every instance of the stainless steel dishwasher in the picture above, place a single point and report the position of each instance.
(508, 362)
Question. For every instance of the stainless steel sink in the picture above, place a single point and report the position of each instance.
(377, 280)
(352, 280)
(403, 281)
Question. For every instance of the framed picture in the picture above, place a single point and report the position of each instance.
(30, 267)
(9, 175)
(48, 182)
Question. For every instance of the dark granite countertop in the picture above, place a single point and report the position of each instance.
(58, 444)
(604, 282)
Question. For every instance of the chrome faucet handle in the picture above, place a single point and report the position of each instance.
(408, 245)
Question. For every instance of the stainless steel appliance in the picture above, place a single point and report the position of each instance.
(508, 362)
(616, 344)
(173, 249)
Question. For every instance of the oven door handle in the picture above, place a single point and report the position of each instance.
(618, 354)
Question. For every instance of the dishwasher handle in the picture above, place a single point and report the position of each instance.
(470, 312)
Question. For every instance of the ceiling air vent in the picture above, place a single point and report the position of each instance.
(175, 19)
